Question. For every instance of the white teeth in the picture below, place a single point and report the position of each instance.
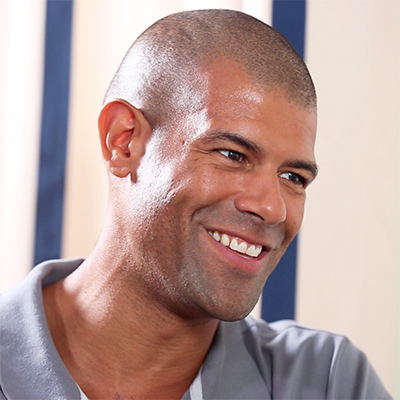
(225, 239)
(243, 247)
(251, 250)
(216, 236)
(234, 244)
(254, 251)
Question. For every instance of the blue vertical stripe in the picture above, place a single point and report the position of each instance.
(53, 130)
(278, 300)
(289, 18)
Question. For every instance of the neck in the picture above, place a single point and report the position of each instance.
(119, 342)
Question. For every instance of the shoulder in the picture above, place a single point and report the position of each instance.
(23, 302)
(307, 361)
(288, 338)
(30, 366)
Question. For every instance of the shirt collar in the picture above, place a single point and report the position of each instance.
(30, 366)
(230, 370)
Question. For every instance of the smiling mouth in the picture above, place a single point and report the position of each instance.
(237, 244)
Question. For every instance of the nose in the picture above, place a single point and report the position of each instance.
(262, 196)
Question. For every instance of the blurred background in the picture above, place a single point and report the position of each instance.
(56, 61)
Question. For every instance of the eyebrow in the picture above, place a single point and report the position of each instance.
(306, 165)
(218, 134)
(233, 137)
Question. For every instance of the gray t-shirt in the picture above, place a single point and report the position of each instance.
(248, 359)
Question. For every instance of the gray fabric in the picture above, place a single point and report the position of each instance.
(30, 367)
(248, 359)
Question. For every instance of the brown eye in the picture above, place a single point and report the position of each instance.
(295, 178)
(232, 155)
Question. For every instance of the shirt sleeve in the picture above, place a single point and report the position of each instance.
(312, 364)
(352, 376)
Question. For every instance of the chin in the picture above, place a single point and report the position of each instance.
(233, 312)
(233, 318)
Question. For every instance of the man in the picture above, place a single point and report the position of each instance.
(207, 133)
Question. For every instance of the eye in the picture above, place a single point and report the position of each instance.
(232, 155)
(295, 178)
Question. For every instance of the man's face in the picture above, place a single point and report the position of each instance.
(231, 177)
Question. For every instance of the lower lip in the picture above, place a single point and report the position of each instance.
(235, 259)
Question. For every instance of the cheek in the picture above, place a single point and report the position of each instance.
(213, 184)
(160, 179)
(199, 186)
(295, 213)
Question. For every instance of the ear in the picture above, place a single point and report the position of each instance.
(124, 132)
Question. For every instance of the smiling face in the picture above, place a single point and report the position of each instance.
(232, 179)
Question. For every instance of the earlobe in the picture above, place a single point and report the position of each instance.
(124, 132)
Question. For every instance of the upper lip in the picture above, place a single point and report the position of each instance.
(250, 239)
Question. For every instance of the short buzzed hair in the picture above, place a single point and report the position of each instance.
(158, 75)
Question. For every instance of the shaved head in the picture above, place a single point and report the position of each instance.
(209, 126)
(160, 73)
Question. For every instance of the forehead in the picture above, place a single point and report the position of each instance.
(227, 83)
(231, 101)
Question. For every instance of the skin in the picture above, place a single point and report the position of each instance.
(239, 164)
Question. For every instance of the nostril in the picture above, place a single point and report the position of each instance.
(255, 214)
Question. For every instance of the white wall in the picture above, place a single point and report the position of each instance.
(349, 244)
(21, 71)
